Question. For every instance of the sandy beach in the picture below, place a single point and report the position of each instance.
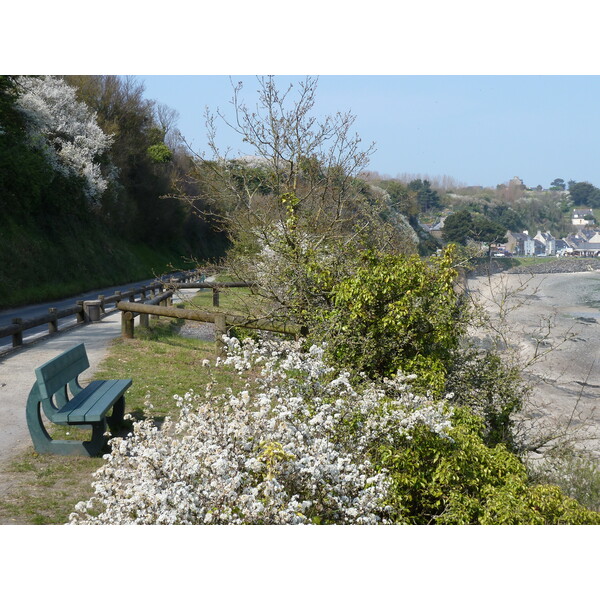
(556, 316)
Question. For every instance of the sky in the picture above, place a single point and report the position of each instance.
(479, 130)
(475, 91)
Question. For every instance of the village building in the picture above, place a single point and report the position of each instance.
(582, 217)
(533, 247)
(522, 244)
(548, 241)
(437, 229)
(515, 243)
(586, 242)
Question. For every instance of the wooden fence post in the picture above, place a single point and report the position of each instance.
(17, 338)
(127, 324)
(101, 300)
(215, 296)
(53, 325)
(220, 331)
(152, 296)
(80, 314)
(144, 320)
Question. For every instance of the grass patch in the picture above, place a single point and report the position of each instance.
(45, 488)
(37, 265)
(529, 261)
(236, 301)
(161, 364)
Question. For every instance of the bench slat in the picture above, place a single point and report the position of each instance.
(91, 405)
(62, 415)
(111, 391)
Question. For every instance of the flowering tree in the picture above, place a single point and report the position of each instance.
(295, 450)
(65, 130)
(296, 211)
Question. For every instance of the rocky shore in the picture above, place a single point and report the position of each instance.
(547, 267)
(560, 265)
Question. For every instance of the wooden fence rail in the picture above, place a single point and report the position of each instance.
(221, 320)
(89, 311)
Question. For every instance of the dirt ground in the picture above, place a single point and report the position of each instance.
(557, 317)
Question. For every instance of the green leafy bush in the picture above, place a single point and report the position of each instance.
(491, 388)
(397, 312)
(160, 153)
(462, 481)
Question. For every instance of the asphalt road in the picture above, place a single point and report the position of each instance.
(34, 310)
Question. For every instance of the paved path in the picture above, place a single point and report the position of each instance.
(17, 373)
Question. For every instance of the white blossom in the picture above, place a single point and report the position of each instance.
(64, 129)
(293, 450)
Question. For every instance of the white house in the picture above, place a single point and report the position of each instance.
(579, 217)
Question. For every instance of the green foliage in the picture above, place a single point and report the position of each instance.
(462, 226)
(457, 227)
(160, 153)
(576, 475)
(49, 233)
(461, 481)
(427, 198)
(505, 216)
(491, 388)
(397, 312)
(584, 194)
(403, 199)
(11, 121)
(486, 231)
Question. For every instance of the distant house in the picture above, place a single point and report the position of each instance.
(515, 242)
(560, 247)
(548, 241)
(587, 234)
(586, 249)
(582, 217)
(522, 244)
(437, 229)
(533, 247)
(580, 244)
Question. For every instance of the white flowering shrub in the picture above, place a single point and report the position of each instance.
(291, 448)
(64, 129)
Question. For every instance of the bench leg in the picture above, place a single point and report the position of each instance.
(44, 444)
(118, 412)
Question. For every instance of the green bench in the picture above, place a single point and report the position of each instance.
(83, 407)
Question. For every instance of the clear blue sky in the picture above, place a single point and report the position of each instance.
(480, 130)
(477, 91)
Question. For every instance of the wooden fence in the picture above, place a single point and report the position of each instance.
(88, 311)
(163, 308)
